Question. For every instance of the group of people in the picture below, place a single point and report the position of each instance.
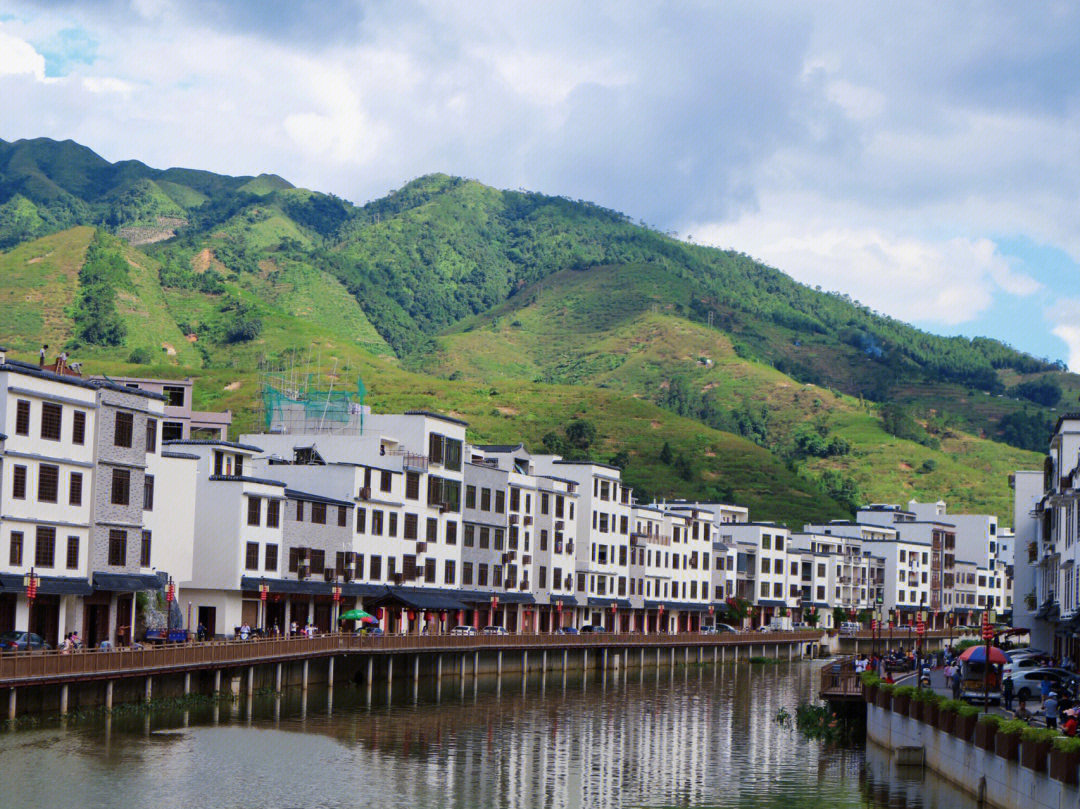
(70, 643)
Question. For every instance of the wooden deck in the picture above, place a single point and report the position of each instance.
(839, 682)
(49, 667)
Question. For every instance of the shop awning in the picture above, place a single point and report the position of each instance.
(516, 598)
(621, 603)
(50, 585)
(765, 602)
(126, 582)
(420, 598)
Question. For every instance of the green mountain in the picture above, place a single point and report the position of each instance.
(524, 313)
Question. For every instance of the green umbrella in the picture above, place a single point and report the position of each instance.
(356, 615)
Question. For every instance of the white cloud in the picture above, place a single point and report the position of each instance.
(19, 58)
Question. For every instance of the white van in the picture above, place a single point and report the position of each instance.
(850, 627)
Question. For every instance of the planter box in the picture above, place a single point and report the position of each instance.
(883, 699)
(1007, 745)
(964, 727)
(984, 735)
(900, 703)
(1063, 766)
(869, 692)
(945, 720)
(915, 710)
(1033, 755)
(930, 713)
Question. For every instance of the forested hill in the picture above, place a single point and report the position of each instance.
(428, 259)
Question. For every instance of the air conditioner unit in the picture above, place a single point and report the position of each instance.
(570, 546)
(421, 547)
(528, 519)
(303, 571)
(365, 493)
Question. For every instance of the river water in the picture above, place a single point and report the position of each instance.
(692, 737)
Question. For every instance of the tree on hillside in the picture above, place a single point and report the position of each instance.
(666, 456)
(581, 434)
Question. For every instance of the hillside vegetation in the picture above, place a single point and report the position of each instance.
(525, 313)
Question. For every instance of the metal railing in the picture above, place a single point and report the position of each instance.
(33, 667)
(838, 679)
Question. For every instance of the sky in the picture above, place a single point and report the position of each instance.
(923, 158)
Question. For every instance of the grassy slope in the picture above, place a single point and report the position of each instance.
(614, 328)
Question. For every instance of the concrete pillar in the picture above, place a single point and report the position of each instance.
(476, 665)
(277, 678)
(416, 669)
(64, 699)
(686, 655)
(673, 657)
(149, 694)
(723, 653)
(714, 654)
(370, 669)
(525, 663)
(234, 685)
(564, 656)
(641, 663)
(250, 680)
(389, 670)
(187, 683)
(304, 678)
(585, 660)
(108, 696)
(217, 681)
(12, 704)
(603, 661)
(498, 664)
(790, 651)
(543, 662)
(438, 668)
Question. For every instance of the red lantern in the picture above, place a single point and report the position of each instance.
(558, 606)
(443, 615)
(170, 593)
(711, 608)
(412, 615)
(379, 613)
(661, 609)
(613, 607)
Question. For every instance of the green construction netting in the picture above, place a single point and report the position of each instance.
(320, 406)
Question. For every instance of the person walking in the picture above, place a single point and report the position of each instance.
(1044, 690)
(1007, 693)
(956, 683)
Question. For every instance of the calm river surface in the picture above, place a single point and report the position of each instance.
(701, 737)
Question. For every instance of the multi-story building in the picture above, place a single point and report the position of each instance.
(180, 421)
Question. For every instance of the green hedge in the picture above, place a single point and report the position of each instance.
(967, 710)
(905, 691)
(1066, 744)
(1013, 727)
(952, 705)
(869, 678)
(887, 688)
(990, 719)
(1032, 735)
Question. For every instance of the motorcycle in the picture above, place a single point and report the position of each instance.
(924, 677)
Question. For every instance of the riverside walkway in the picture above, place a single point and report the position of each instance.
(32, 670)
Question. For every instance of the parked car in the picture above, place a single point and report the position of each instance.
(1028, 683)
(463, 630)
(592, 628)
(799, 626)
(15, 640)
(494, 630)
(850, 627)
(568, 630)
(1023, 663)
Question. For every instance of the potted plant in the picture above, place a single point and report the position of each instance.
(964, 724)
(902, 695)
(1064, 758)
(930, 705)
(870, 683)
(1034, 745)
(947, 714)
(985, 730)
(885, 695)
(1007, 739)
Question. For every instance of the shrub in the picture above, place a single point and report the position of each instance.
(966, 710)
(869, 678)
(1013, 727)
(990, 719)
(905, 691)
(1066, 744)
(887, 688)
(141, 356)
(952, 705)
(1030, 735)
(927, 696)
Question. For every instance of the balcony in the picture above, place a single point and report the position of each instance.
(411, 461)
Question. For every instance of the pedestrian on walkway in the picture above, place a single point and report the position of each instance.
(1050, 711)
(1007, 693)
(956, 683)
(1044, 690)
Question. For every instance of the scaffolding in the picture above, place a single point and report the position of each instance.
(293, 402)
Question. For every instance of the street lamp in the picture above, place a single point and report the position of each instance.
(494, 606)
(264, 590)
(336, 590)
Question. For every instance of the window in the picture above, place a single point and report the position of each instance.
(148, 494)
(435, 448)
(299, 510)
(78, 427)
(121, 487)
(144, 550)
(485, 499)
(151, 435)
(16, 550)
(779, 542)
(408, 567)
(764, 565)
(482, 575)
(361, 520)
(342, 517)
(453, 454)
(515, 498)
(376, 568)
(48, 483)
(485, 536)
(51, 418)
(22, 417)
(470, 497)
(451, 533)
(254, 516)
(377, 523)
(384, 481)
(432, 530)
(391, 530)
(541, 578)
(45, 546)
(172, 431)
(500, 501)
(543, 540)
(429, 571)
(499, 533)
(411, 523)
(251, 556)
(318, 513)
(766, 541)
(412, 485)
(125, 423)
(391, 573)
(117, 547)
(545, 499)
(174, 394)
(466, 573)
(271, 557)
(318, 562)
(72, 553)
(470, 532)
(273, 508)
(18, 482)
